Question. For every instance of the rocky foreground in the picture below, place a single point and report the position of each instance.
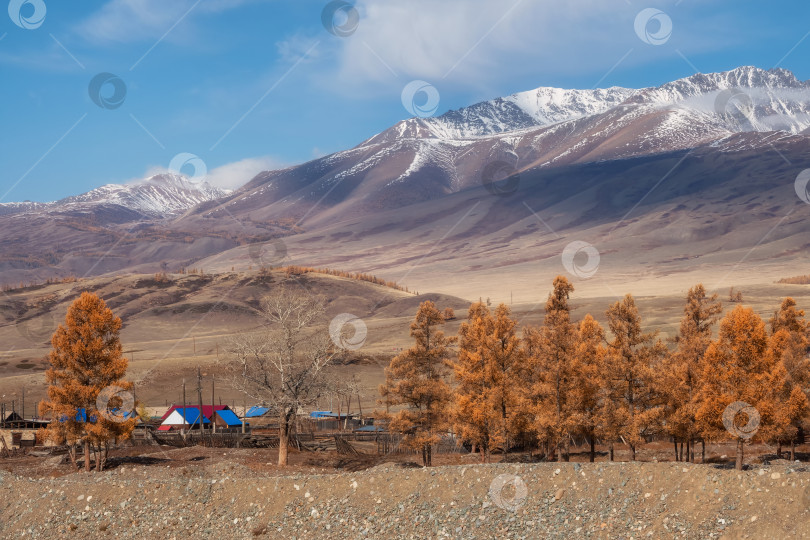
(549, 500)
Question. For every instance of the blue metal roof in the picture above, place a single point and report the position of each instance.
(229, 417)
(81, 416)
(320, 414)
(191, 415)
(253, 412)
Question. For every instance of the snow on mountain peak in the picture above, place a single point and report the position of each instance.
(743, 99)
(162, 195)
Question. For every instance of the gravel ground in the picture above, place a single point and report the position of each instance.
(546, 500)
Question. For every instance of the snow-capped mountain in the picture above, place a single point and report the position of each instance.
(423, 158)
(163, 195)
(579, 156)
(744, 99)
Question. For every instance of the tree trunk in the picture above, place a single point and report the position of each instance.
(739, 462)
(677, 458)
(703, 450)
(793, 449)
(87, 454)
(283, 439)
(426, 455)
(72, 454)
(593, 449)
(568, 449)
(632, 452)
(611, 451)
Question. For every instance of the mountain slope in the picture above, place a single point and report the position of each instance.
(699, 169)
(420, 159)
(160, 196)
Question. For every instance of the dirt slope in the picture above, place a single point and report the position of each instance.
(229, 500)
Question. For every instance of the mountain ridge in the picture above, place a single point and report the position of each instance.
(583, 160)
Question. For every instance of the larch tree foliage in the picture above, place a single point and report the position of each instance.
(552, 355)
(680, 379)
(415, 379)
(631, 408)
(284, 363)
(586, 387)
(741, 384)
(486, 371)
(86, 381)
(789, 343)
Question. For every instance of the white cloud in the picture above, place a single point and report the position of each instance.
(463, 39)
(136, 20)
(238, 173)
(228, 176)
(133, 20)
(469, 42)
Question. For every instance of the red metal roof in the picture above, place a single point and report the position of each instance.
(208, 410)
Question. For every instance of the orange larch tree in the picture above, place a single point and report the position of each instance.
(85, 381)
(742, 382)
(632, 408)
(586, 388)
(487, 374)
(789, 343)
(552, 355)
(416, 379)
(679, 378)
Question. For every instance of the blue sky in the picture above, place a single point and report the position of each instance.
(253, 84)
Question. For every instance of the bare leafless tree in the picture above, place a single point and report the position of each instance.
(283, 363)
(345, 390)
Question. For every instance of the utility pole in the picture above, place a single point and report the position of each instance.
(184, 403)
(199, 397)
(213, 424)
(23, 403)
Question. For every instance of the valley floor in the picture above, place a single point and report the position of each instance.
(215, 493)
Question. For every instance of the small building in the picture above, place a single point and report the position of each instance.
(220, 416)
(226, 420)
(184, 418)
(257, 412)
(330, 421)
